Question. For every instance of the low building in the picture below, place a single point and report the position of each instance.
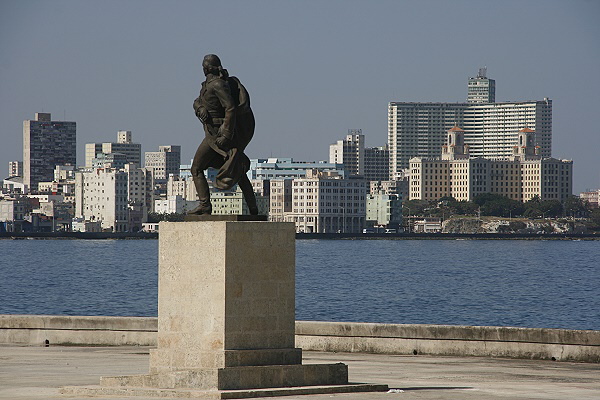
(384, 210)
(427, 225)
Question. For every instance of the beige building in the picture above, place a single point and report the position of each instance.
(323, 202)
(522, 176)
(164, 162)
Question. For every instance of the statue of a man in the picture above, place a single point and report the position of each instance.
(224, 109)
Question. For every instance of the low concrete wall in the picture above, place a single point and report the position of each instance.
(450, 340)
(66, 330)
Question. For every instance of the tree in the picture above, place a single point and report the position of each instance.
(574, 206)
(414, 207)
(498, 205)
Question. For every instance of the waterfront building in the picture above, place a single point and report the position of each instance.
(325, 202)
(46, 143)
(119, 198)
(522, 176)
(164, 162)
(12, 214)
(15, 168)
(384, 210)
(124, 145)
(287, 168)
(419, 129)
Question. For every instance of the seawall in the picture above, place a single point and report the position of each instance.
(401, 339)
(325, 236)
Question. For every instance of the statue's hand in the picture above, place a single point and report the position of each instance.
(223, 143)
(202, 114)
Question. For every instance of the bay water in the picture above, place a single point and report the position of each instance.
(525, 283)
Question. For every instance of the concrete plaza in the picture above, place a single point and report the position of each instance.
(28, 372)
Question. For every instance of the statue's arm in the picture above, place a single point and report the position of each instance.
(200, 111)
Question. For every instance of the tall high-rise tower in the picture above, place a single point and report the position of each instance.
(46, 144)
(481, 89)
(491, 128)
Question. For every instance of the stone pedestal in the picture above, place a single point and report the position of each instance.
(226, 317)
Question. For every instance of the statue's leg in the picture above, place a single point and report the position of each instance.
(202, 160)
(249, 195)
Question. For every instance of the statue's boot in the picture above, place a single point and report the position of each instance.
(204, 208)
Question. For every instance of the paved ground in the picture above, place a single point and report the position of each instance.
(38, 373)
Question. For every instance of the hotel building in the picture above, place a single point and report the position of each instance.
(490, 128)
(521, 176)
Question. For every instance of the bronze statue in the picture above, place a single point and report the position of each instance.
(224, 109)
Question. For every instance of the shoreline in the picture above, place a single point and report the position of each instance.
(305, 236)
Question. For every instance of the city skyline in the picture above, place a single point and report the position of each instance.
(313, 69)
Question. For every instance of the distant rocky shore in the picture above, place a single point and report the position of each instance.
(517, 226)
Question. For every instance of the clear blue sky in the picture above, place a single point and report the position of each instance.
(314, 69)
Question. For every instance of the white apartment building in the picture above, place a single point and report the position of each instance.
(419, 129)
(520, 177)
(119, 198)
(124, 145)
(323, 202)
(164, 162)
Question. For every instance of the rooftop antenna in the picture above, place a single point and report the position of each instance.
(482, 72)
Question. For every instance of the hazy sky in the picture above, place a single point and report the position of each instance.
(314, 69)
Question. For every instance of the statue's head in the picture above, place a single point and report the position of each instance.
(211, 64)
